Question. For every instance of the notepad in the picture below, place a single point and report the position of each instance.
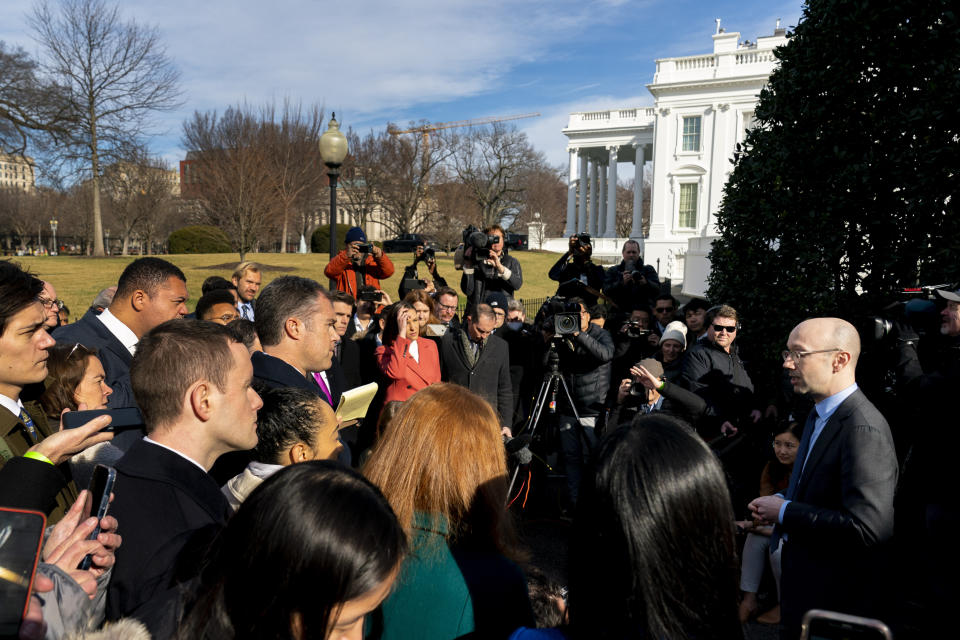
(355, 402)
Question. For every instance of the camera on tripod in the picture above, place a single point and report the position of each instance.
(559, 316)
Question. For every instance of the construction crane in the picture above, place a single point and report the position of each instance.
(427, 129)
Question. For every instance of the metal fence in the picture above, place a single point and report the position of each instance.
(530, 306)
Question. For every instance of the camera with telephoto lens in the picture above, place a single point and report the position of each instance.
(559, 316)
(633, 329)
(428, 255)
(480, 241)
(583, 240)
(918, 307)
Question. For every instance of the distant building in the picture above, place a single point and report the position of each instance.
(703, 106)
(17, 172)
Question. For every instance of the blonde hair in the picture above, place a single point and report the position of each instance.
(443, 456)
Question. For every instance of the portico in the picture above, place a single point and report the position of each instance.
(598, 142)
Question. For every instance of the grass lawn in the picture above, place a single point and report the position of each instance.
(78, 279)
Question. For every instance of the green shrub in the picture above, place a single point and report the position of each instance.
(320, 239)
(199, 239)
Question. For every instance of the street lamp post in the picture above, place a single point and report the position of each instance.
(333, 150)
(53, 228)
(106, 232)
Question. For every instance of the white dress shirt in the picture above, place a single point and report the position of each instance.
(121, 332)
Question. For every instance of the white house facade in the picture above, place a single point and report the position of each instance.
(703, 106)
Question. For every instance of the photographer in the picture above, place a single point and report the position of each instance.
(358, 264)
(929, 511)
(431, 280)
(584, 360)
(577, 275)
(646, 390)
(631, 282)
(634, 341)
(488, 267)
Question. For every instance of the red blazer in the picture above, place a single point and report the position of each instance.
(342, 270)
(408, 375)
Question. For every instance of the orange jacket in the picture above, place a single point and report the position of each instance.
(342, 269)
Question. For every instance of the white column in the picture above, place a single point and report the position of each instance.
(582, 217)
(602, 197)
(636, 226)
(611, 227)
(591, 226)
(571, 196)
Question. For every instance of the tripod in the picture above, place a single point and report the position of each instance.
(548, 391)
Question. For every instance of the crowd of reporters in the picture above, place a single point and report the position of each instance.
(248, 509)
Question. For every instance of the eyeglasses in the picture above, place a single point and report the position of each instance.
(50, 304)
(797, 356)
(663, 309)
(227, 317)
(447, 307)
(722, 327)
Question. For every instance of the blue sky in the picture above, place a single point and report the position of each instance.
(374, 61)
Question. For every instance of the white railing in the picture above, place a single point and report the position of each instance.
(698, 62)
(636, 116)
(753, 57)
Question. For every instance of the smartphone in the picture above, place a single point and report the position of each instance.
(819, 624)
(21, 537)
(98, 503)
(120, 419)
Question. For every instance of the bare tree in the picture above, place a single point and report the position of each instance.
(544, 193)
(115, 75)
(399, 171)
(230, 174)
(291, 141)
(29, 103)
(491, 161)
(456, 208)
(360, 199)
(138, 190)
(625, 208)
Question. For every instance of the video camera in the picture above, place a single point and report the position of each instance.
(480, 241)
(917, 306)
(559, 316)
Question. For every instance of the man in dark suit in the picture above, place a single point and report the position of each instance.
(836, 516)
(474, 358)
(296, 326)
(192, 381)
(150, 291)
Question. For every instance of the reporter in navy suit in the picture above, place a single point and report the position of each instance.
(193, 384)
(836, 517)
(150, 291)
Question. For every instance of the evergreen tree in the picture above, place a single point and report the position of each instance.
(847, 189)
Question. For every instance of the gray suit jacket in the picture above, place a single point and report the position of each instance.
(841, 516)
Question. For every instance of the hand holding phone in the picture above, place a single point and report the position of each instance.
(21, 534)
(98, 502)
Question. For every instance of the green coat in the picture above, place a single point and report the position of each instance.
(445, 593)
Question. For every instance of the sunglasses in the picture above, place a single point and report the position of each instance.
(719, 327)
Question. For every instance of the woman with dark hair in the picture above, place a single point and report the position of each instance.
(756, 550)
(653, 548)
(76, 380)
(441, 464)
(310, 552)
(408, 362)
